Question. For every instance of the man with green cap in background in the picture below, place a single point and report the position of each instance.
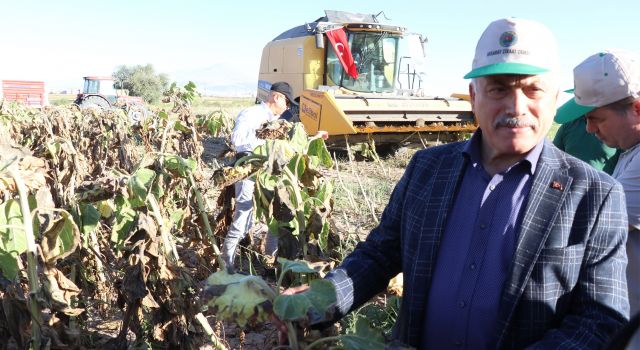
(607, 92)
(573, 138)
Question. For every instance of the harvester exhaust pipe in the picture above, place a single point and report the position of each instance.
(318, 33)
(319, 40)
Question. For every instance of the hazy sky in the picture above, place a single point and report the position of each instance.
(62, 41)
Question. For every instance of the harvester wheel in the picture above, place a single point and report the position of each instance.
(94, 102)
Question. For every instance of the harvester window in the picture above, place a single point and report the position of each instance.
(375, 56)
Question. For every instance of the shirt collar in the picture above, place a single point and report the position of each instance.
(473, 146)
(631, 150)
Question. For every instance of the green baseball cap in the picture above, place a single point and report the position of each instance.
(601, 79)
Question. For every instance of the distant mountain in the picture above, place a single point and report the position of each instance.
(222, 79)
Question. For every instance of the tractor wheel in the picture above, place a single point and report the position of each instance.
(94, 102)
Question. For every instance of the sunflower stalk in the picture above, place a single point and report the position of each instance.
(212, 335)
(205, 219)
(169, 247)
(32, 261)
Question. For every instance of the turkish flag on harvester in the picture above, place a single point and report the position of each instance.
(340, 45)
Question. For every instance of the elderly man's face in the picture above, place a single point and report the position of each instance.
(514, 111)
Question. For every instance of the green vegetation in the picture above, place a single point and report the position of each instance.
(121, 215)
(106, 207)
(201, 105)
(136, 220)
(61, 99)
(230, 105)
(141, 81)
(552, 131)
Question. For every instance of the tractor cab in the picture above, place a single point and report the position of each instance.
(101, 86)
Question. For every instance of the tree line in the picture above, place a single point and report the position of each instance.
(141, 80)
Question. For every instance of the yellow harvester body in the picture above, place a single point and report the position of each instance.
(385, 102)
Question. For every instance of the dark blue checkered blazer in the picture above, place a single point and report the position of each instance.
(567, 285)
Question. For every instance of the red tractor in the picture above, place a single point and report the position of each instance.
(99, 92)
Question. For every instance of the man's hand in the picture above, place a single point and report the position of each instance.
(295, 290)
(321, 134)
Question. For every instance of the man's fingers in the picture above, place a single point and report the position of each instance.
(321, 134)
(295, 290)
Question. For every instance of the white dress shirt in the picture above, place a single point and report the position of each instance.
(248, 121)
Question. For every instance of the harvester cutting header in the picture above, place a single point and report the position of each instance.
(353, 75)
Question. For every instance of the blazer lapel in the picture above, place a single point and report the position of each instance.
(549, 189)
(441, 191)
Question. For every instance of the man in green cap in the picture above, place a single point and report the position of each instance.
(607, 92)
(573, 138)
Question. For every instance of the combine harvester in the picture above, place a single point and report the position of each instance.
(361, 80)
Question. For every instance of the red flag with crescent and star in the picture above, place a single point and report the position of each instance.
(338, 39)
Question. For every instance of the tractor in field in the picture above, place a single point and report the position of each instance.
(100, 92)
(360, 79)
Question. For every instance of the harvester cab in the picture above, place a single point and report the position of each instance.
(357, 77)
(100, 92)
